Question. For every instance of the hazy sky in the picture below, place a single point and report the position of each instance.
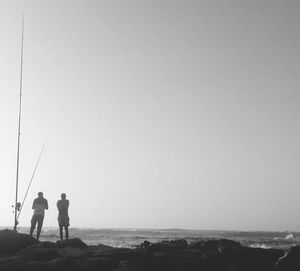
(157, 114)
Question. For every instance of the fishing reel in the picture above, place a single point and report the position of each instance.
(17, 207)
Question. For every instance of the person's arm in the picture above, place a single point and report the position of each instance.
(33, 205)
(46, 204)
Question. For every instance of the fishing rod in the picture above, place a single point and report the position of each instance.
(17, 204)
(31, 179)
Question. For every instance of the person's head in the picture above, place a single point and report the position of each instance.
(63, 196)
(40, 194)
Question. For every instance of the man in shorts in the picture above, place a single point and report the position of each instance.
(39, 205)
(63, 216)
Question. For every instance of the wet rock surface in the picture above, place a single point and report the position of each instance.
(290, 261)
(20, 252)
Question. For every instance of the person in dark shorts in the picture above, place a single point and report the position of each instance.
(63, 216)
(39, 205)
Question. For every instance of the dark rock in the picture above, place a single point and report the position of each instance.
(39, 252)
(75, 242)
(96, 264)
(131, 265)
(165, 245)
(211, 255)
(145, 244)
(290, 261)
(11, 258)
(227, 246)
(210, 245)
(47, 244)
(63, 264)
(228, 243)
(11, 241)
(179, 253)
(222, 245)
(196, 245)
(24, 266)
(73, 252)
(104, 247)
(247, 258)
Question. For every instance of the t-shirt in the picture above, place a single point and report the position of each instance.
(39, 205)
(63, 206)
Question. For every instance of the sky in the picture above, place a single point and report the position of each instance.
(156, 114)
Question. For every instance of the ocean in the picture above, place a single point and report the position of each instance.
(130, 238)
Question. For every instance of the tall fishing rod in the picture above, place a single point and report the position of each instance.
(31, 179)
(17, 204)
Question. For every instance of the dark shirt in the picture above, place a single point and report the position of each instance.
(63, 206)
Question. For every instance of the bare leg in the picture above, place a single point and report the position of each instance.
(38, 233)
(31, 230)
(39, 227)
(61, 233)
(33, 223)
(67, 232)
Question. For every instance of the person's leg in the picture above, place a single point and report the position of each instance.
(67, 232)
(33, 224)
(61, 232)
(39, 227)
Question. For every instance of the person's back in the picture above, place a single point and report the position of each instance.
(63, 216)
(39, 205)
(63, 206)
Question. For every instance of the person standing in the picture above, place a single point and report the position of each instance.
(63, 216)
(39, 205)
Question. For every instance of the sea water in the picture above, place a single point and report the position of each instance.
(130, 238)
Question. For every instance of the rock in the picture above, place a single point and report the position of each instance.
(145, 244)
(164, 245)
(39, 252)
(210, 245)
(290, 261)
(256, 258)
(221, 245)
(196, 245)
(11, 241)
(72, 252)
(130, 265)
(96, 264)
(11, 258)
(210, 255)
(227, 246)
(63, 264)
(47, 244)
(75, 242)
(24, 266)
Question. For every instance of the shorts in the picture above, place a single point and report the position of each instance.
(37, 219)
(63, 221)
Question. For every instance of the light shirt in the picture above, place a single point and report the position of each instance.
(39, 205)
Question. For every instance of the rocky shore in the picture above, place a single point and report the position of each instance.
(20, 252)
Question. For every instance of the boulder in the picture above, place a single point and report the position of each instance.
(24, 266)
(73, 252)
(164, 245)
(221, 245)
(39, 253)
(290, 261)
(96, 264)
(196, 245)
(74, 242)
(63, 264)
(210, 245)
(246, 258)
(227, 246)
(12, 241)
